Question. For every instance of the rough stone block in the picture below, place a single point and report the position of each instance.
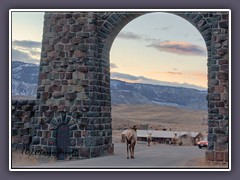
(213, 123)
(223, 110)
(26, 139)
(222, 138)
(99, 141)
(44, 95)
(108, 140)
(221, 130)
(224, 123)
(23, 132)
(84, 152)
(74, 152)
(44, 141)
(46, 151)
(72, 142)
(58, 95)
(95, 151)
(35, 140)
(224, 67)
(77, 134)
(223, 24)
(219, 104)
(71, 21)
(73, 127)
(90, 141)
(14, 131)
(16, 139)
(219, 156)
(46, 134)
(76, 28)
(19, 114)
(49, 114)
(210, 155)
(80, 142)
(222, 51)
(78, 54)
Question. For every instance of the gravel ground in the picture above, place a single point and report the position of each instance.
(157, 156)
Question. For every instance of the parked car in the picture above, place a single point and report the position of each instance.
(202, 143)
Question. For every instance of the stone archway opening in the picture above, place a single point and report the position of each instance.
(130, 53)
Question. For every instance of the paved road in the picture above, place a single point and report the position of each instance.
(155, 156)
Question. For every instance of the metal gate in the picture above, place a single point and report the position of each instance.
(62, 141)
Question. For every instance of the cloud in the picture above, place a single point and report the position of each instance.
(165, 28)
(121, 76)
(35, 53)
(168, 72)
(174, 73)
(26, 51)
(152, 40)
(129, 35)
(113, 66)
(18, 55)
(27, 44)
(180, 48)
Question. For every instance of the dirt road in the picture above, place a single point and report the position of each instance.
(155, 156)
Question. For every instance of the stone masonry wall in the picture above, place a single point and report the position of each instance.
(22, 118)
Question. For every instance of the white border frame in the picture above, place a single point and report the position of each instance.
(113, 10)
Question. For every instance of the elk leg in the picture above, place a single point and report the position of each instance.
(133, 146)
(127, 151)
(130, 148)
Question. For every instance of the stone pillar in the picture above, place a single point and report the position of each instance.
(218, 97)
(72, 86)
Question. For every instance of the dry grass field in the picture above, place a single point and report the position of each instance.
(158, 117)
(23, 159)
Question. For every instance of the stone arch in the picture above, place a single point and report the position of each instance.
(112, 24)
(74, 77)
(63, 118)
(208, 24)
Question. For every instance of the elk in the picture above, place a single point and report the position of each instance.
(149, 137)
(131, 139)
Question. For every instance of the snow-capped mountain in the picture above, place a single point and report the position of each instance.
(20, 88)
(25, 79)
(144, 80)
(134, 93)
(25, 72)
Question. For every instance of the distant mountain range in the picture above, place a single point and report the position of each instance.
(25, 79)
(144, 80)
(136, 93)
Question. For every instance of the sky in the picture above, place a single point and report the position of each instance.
(156, 46)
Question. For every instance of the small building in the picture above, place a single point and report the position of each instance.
(167, 137)
(190, 138)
